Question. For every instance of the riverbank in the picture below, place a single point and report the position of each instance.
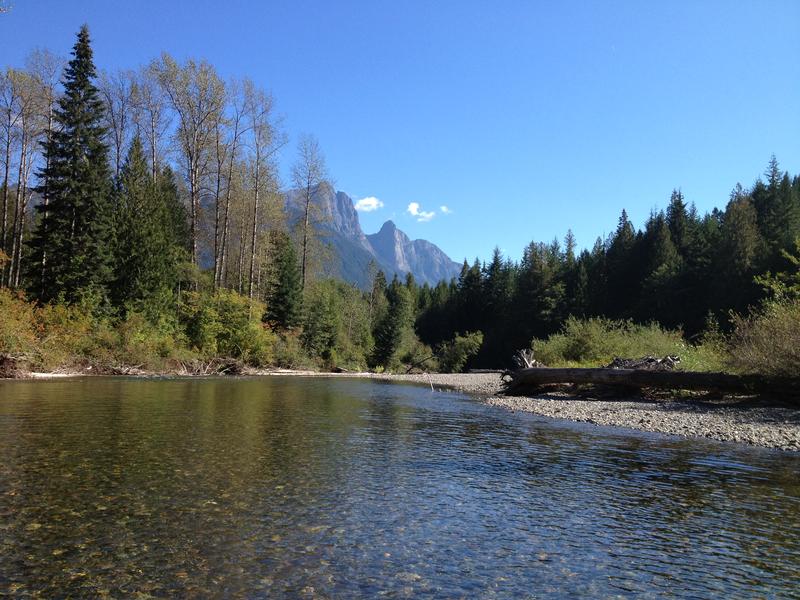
(725, 420)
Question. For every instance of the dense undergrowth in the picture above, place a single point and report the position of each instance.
(766, 341)
(339, 327)
(338, 331)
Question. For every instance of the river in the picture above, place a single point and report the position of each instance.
(314, 487)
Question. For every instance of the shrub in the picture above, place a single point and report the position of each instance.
(17, 324)
(142, 342)
(595, 342)
(66, 333)
(289, 353)
(453, 355)
(227, 324)
(768, 340)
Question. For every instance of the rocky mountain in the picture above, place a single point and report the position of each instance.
(425, 260)
(390, 249)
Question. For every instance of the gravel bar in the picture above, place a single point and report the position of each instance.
(726, 420)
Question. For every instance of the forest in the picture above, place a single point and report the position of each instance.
(143, 225)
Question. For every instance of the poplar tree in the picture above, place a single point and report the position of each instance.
(79, 237)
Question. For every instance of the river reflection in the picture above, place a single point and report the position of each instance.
(288, 487)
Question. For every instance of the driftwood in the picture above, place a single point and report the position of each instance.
(523, 359)
(524, 380)
(649, 363)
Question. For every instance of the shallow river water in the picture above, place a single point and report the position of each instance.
(345, 488)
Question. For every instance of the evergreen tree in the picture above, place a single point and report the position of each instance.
(621, 265)
(284, 294)
(663, 270)
(148, 249)
(679, 222)
(177, 215)
(79, 238)
(471, 311)
(389, 330)
(737, 254)
(778, 212)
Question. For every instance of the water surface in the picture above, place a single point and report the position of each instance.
(293, 487)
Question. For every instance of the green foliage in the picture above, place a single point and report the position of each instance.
(284, 292)
(149, 251)
(149, 345)
(73, 248)
(390, 328)
(767, 341)
(336, 325)
(597, 341)
(289, 352)
(68, 334)
(786, 284)
(321, 324)
(17, 324)
(226, 324)
(453, 355)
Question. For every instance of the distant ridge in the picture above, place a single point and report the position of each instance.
(390, 249)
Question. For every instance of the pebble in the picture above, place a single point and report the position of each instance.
(768, 426)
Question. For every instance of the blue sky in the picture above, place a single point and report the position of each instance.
(523, 118)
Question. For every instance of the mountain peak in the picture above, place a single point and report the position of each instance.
(390, 248)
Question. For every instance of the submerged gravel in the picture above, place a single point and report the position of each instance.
(726, 420)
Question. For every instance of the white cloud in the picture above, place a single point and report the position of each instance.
(368, 204)
(445, 210)
(421, 215)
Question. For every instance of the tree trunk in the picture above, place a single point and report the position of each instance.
(45, 201)
(220, 161)
(5, 188)
(305, 241)
(242, 225)
(254, 229)
(193, 183)
(17, 209)
(153, 134)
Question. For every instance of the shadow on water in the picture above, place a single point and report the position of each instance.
(348, 488)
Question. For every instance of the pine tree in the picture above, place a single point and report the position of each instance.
(284, 293)
(79, 238)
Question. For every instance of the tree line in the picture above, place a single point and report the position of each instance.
(147, 214)
(682, 270)
(154, 195)
(96, 149)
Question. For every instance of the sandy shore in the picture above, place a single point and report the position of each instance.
(743, 422)
(726, 420)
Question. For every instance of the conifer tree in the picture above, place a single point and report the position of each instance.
(621, 267)
(148, 251)
(177, 215)
(79, 238)
(284, 293)
(389, 330)
(662, 272)
(679, 222)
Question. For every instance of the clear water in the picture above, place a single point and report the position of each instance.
(292, 487)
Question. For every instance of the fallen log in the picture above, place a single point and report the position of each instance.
(781, 387)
